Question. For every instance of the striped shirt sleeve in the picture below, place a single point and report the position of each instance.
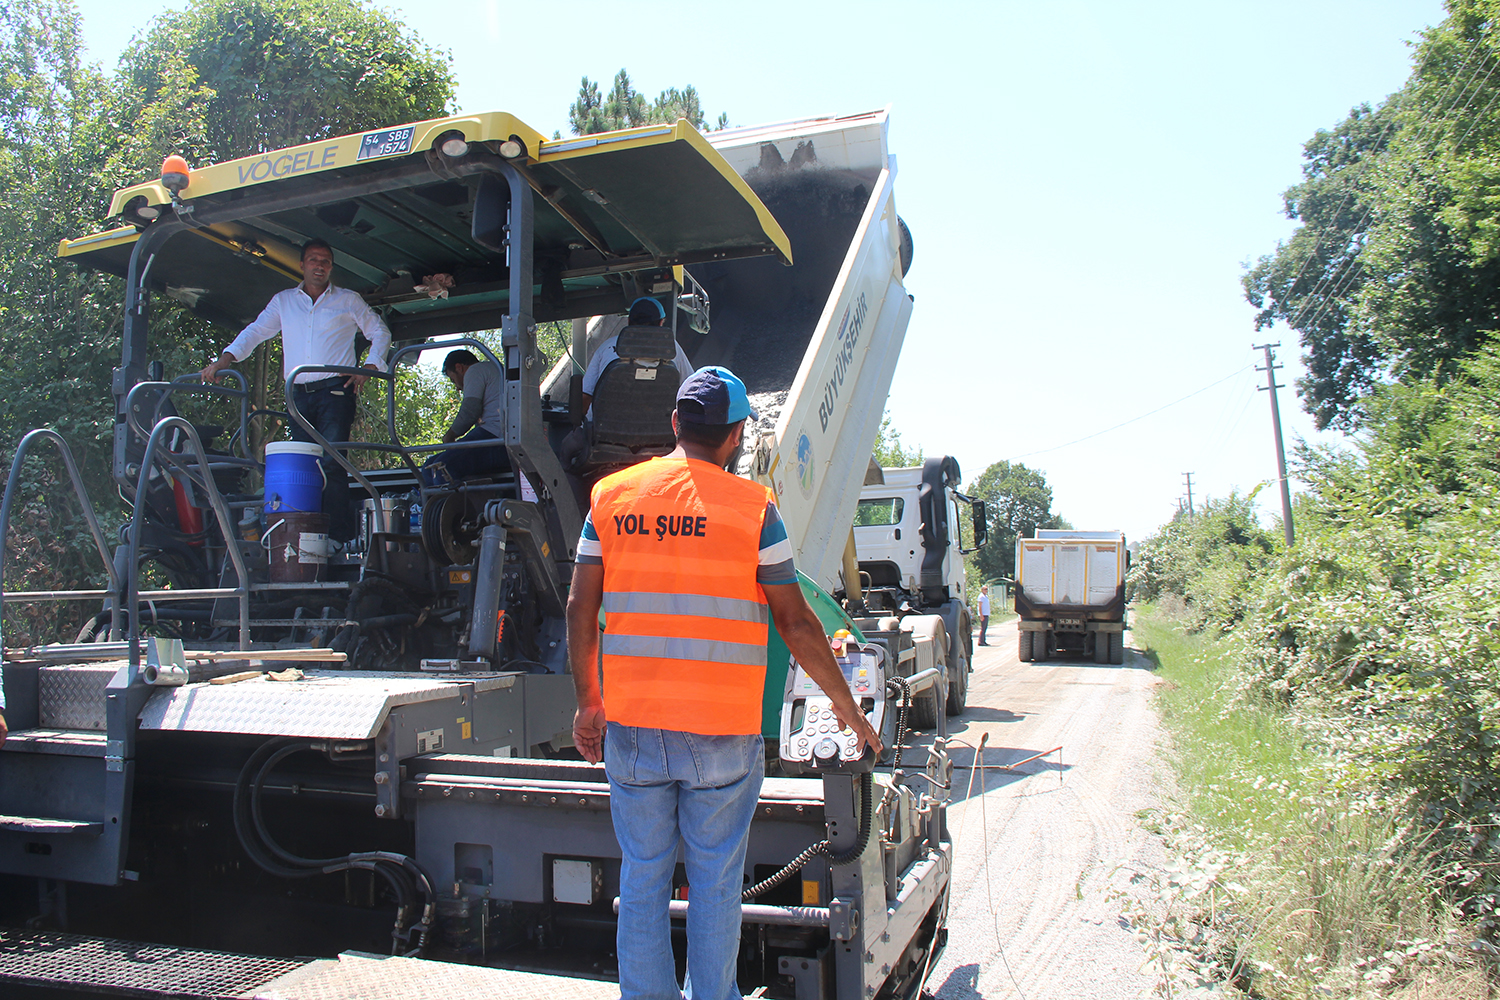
(590, 552)
(775, 551)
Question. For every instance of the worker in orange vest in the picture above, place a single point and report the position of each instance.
(689, 564)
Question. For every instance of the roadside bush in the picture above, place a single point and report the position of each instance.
(1206, 559)
(1293, 875)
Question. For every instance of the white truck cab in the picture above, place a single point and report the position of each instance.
(910, 539)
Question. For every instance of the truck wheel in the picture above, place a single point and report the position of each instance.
(961, 655)
(1117, 648)
(1101, 646)
(958, 687)
(1023, 647)
(924, 706)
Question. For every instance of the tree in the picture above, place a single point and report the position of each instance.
(1017, 502)
(889, 451)
(283, 72)
(1312, 281)
(1395, 271)
(624, 107)
(57, 326)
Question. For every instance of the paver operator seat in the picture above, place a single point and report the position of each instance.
(633, 402)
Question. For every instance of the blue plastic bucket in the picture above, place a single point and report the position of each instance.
(294, 477)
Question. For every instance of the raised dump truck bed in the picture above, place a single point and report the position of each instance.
(818, 343)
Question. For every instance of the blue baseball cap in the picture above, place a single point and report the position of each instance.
(713, 396)
(645, 300)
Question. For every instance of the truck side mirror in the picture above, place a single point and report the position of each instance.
(981, 523)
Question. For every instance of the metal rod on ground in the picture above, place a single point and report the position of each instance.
(980, 764)
(1271, 387)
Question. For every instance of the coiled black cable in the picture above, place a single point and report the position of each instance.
(403, 874)
(901, 685)
(824, 847)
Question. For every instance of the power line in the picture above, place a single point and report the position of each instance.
(1343, 275)
(1239, 418)
(1126, 423)
(1386, 134)
(1228, 418)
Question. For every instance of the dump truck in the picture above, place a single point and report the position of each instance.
(229, 772)
(1070, 594)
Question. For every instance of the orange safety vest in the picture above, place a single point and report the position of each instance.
(685, 619)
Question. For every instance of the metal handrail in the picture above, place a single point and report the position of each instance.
(445, 345)
(328, 447)
(203, 388)
(23, 597)
(390, 405)
(243, 438)
(221, 511)
(79, 489)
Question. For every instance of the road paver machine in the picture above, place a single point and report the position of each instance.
(371, 765)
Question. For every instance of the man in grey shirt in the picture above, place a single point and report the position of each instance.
(480, 417)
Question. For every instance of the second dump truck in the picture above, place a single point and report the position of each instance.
(1070, 594)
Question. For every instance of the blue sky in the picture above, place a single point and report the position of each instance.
(1084, 181)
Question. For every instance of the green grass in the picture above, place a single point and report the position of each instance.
(1289, 882)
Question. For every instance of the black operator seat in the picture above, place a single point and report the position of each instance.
(634, 400)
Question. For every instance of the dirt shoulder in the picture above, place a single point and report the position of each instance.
(1042, 851)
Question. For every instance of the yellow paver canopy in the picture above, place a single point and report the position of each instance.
(397, 206)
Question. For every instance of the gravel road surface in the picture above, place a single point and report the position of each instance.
(1040, 848)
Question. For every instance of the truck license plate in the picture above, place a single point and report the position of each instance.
(391, 142)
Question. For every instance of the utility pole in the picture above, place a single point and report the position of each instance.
(1189, 477)
(1271, 387)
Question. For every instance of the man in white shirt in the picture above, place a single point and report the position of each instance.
(317, 322)
(984, 613)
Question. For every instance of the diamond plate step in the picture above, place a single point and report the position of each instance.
(358, 976)
(73, 696)
(131, 969)
(110, 968)
(69, 742)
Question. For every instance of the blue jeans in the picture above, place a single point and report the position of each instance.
(667, 788)
(461, 463)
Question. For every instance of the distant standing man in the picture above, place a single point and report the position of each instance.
(984, 613)
(317, 321)
(480, 417)
(686, 561)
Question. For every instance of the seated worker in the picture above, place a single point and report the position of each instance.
(644, 311)
(481, 414)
